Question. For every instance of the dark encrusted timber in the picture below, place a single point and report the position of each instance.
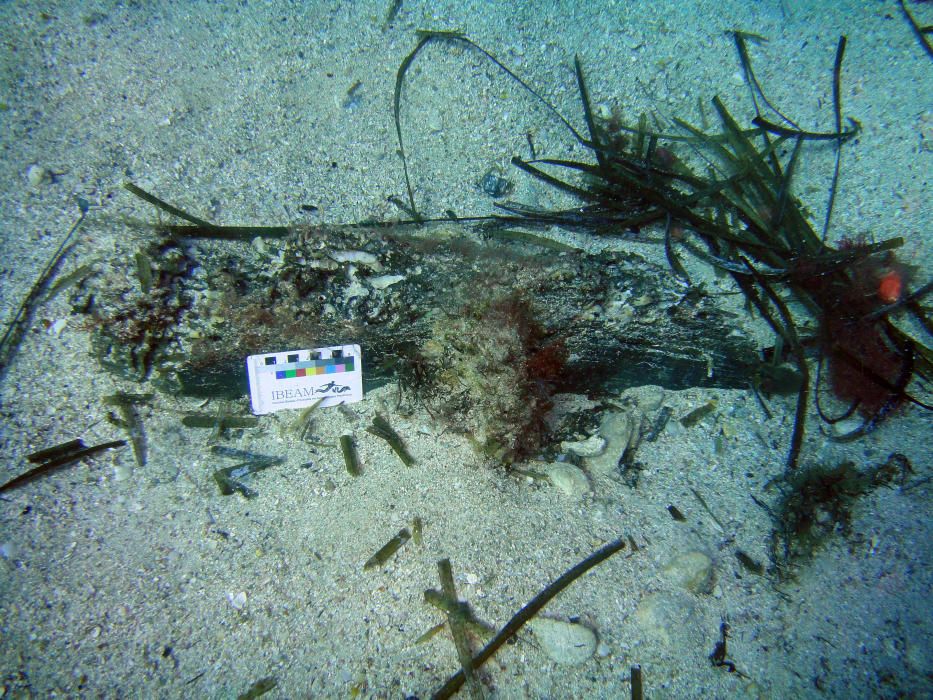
(622, 320)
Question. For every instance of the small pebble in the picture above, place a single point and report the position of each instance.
(567, 478)
(616, 430)
(692, 570)
(648, 397)
(37, 175)
(590, 447)
(567, 643)
(122, 472)
(238, 601)
(383, 281)
(847, 425)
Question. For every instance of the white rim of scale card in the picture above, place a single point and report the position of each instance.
(300, 378)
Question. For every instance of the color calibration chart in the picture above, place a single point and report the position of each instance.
(300, 378)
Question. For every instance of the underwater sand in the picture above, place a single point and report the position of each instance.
(120, 581)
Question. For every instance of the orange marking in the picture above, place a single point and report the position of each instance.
(890, 287)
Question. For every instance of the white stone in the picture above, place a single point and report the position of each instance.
(616, 429)
(37, 175)
(383, 281)
(567, 643)
(590, 447)
(567, 478)
(355, 256)
(648, 397)
(238, 601)
(122, 471)
(691, 570)
(847, 425)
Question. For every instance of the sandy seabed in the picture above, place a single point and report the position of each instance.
(121, 581)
